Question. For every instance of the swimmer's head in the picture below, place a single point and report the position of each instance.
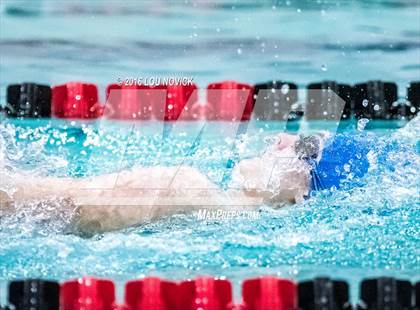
(279, 175)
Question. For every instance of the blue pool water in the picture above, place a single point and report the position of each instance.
(369, 230)
(251, 41)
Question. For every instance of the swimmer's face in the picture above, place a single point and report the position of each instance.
(289, 180)
(278, 176)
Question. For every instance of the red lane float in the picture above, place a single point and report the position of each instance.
(269, 293)
(151, 294)
(75, 100)
(180, 102)
(87, 294)
(143, 102)
(230, 101)
(133, 101)
(205, 293)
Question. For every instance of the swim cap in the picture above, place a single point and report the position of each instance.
(343, 155)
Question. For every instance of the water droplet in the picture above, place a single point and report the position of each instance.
(376, 107)
(324, 68)
(365, 103)
(239, 51)
(361, 124)
(346, 168)
(285, 89)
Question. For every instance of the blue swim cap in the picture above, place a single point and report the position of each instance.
(343, 154)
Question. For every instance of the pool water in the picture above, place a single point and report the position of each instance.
(369, 230)
(351, 233)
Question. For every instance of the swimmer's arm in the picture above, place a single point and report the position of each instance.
(116, 201)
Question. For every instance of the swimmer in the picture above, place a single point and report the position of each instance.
(285, 174)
